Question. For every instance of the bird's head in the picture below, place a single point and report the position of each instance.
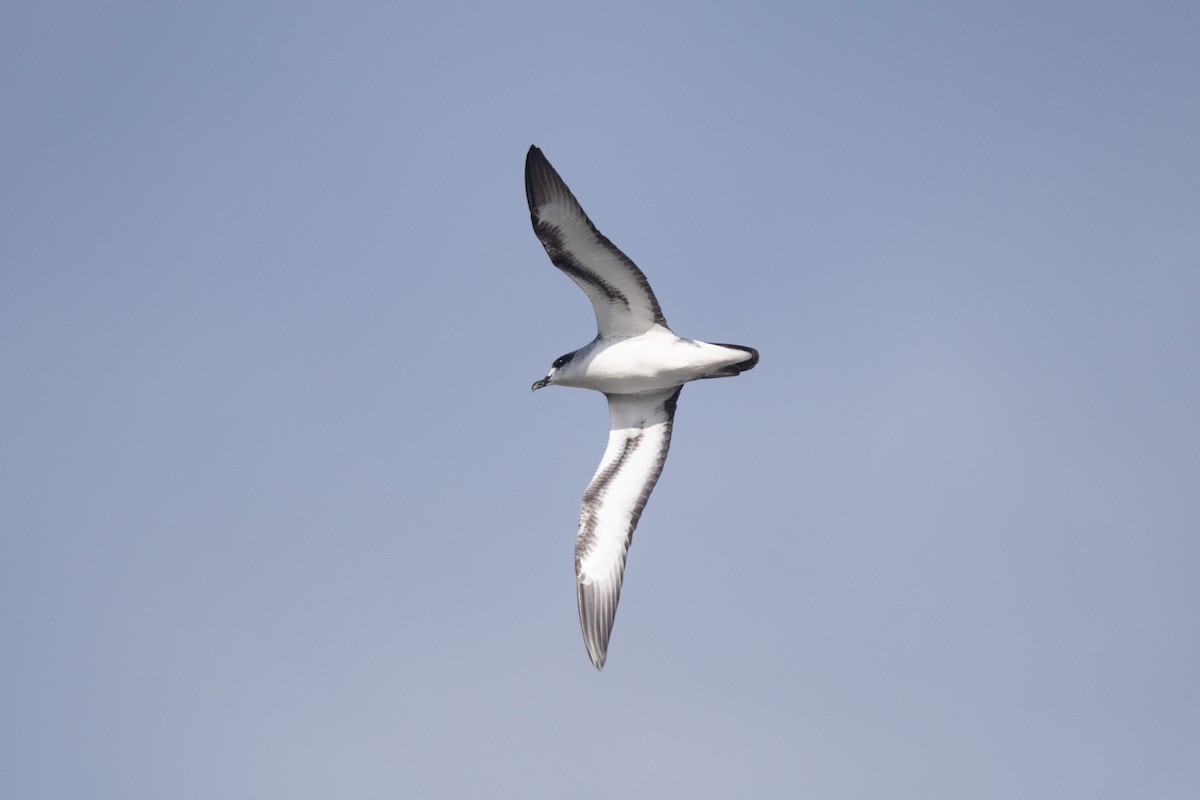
(558, 364)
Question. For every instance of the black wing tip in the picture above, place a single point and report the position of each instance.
(598, 660)
(541, 179)
(534, 157)
(597, 613)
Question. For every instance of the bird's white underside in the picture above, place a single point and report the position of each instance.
(654, 360)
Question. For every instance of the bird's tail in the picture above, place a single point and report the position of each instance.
(739, 367)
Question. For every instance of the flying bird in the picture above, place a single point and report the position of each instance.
(640, 365)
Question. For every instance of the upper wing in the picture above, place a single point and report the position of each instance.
(620, 294)
(612, 504)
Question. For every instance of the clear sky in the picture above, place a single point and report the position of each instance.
(280, 518)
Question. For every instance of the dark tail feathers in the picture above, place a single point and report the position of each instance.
(741, 366)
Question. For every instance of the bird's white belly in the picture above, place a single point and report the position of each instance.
(645, 364)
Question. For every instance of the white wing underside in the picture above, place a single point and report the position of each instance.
(639, 436)
(620, 294)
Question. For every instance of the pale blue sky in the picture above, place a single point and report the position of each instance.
(280, 518)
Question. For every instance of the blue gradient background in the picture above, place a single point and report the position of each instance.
(280, 518)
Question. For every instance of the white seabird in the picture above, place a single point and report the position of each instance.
(641, 367)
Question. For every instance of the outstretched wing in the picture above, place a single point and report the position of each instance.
(620, 294)
(639, 436)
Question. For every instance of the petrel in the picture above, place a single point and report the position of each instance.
(640, 365)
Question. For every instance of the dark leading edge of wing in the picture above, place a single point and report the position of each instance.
(620, 294)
